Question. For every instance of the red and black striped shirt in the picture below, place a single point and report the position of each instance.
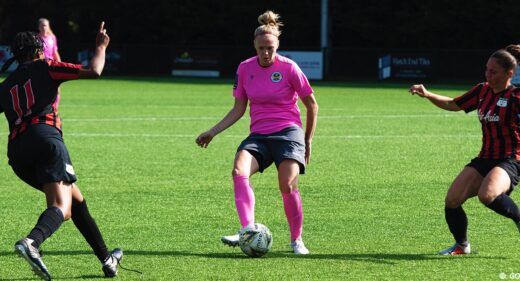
(499, 116)
(27, 95)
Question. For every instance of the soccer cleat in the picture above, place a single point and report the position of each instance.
(299, 248)
(456, 249)
(111, 263)
(230, 240)
(31, 254)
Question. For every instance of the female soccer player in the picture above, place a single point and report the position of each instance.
(494, 173)
(50, 51)
(272, 84)
(36, 150)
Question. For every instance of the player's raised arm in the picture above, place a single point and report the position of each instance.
(443, 102)
(98, 61)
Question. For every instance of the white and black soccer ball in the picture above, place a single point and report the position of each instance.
(255, 240)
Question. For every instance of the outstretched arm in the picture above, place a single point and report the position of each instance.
(312, 118)
(98, 61)
(238, 110)
(443, 102)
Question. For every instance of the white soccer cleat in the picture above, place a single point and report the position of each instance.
(299, 248)
(32, 255)
(230, 240)
(111, 263)
(456, 249)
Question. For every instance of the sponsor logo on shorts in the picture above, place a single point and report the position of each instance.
(69, 169)
(276, 77)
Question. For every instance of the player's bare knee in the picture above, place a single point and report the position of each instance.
(452, 202)
(238, 172)
(66, 211)
(287, 187)
(486, 198)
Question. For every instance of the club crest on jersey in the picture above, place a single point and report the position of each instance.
(276, 77)
(502, 102)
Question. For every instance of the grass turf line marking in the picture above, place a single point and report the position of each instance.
(243, 136)
(173, 118)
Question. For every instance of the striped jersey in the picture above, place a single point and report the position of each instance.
(499, 117)
(27, 95)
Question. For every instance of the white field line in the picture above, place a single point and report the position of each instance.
(361, 137)
(181, 118)
(138, 119)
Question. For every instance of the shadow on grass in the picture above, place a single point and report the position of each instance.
(237, 254)
(100, 277)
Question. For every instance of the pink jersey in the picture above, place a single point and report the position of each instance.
(51, 46)
(272, 93)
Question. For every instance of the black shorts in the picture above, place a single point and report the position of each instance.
(39, 156)
(511, 166)
(286, 144)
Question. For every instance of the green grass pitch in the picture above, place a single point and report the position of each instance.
(372, 197)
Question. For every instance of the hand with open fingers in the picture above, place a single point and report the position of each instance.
(204, 139)
(102, 38)
(419, 90)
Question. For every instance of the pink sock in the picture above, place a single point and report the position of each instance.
(244, 200)
(292, 205)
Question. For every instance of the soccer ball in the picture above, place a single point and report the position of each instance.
(255, 240)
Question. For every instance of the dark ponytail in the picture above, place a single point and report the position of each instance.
(508, 57)
(514, 50)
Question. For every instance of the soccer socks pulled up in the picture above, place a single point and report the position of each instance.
(244, 200)
(48, 222)
(89, 229)
(457, 223)
(506, 207)
(292, 205)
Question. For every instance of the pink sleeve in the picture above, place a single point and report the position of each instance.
(238, 87)
(299, 82)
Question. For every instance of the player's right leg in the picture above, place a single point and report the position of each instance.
(87, 226)
(465, 185)
(288, 171)
(244, 166)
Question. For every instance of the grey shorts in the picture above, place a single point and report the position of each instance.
(288, 143)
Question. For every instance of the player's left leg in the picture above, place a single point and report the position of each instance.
(87, 226)
(288, 171)
(493, 194)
